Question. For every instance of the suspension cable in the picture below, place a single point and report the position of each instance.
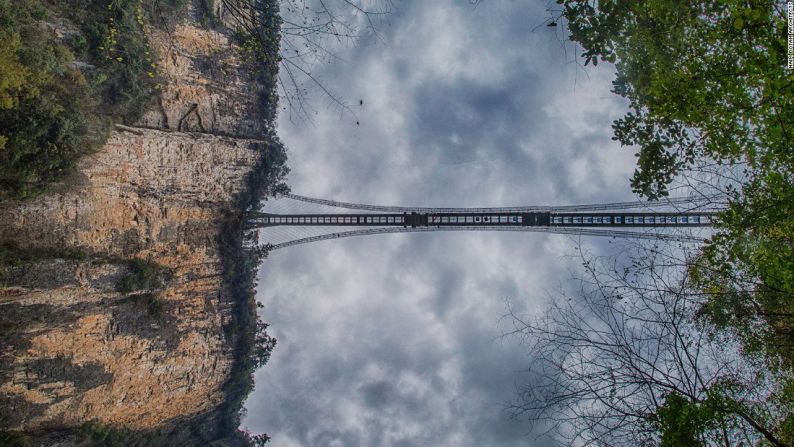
(557, 230)
(516, 209)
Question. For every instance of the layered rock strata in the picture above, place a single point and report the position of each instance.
(77, 349)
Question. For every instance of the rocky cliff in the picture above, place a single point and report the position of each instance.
(78, 342)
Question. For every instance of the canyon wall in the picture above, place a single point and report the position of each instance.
(77, 346)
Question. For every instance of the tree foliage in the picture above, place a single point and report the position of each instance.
(43, 101)
(143, 275)
(681, 421)
(68, 69)
(263, 345)
(704, 80)
(252, 344)
(711, 112)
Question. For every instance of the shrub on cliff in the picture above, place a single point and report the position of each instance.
(15, 439)
(45, 102)
(143, 275)
(68, 70)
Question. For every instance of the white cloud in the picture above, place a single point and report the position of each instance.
(394, 339)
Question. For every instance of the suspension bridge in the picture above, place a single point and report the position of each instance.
(663, 220)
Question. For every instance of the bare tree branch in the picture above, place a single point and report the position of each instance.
(605, 359)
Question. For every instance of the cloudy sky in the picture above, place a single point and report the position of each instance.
(395, 340)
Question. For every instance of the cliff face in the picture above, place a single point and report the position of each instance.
(75, 348)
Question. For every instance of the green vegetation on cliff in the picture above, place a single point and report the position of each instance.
(253, 344)
(97, 69)
(267, 179)
(143, 275)
(69, 70)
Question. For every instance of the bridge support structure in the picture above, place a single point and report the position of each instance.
(617, 219)
(593, 222)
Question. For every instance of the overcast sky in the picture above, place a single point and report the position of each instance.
(394, 340)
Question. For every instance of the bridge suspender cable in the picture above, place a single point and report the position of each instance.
(639, 220)
(673, 202)
(571, 231)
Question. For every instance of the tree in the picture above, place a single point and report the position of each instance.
(310, 34)
(260, 440)
(704, 80)
(243, 437)
(263, 345)
(623, 361)
(711, 111)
